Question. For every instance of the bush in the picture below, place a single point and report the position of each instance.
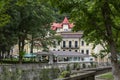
(65, 74)
(15, 61)
(76, 66)
(49, 74)
(84, 65)
(68, 67)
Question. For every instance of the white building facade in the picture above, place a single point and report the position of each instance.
(72, 41)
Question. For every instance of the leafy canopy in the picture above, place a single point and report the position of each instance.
(88, 17)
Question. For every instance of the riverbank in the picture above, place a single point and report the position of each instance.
(106, 76)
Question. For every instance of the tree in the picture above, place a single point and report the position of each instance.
(35, 19)
(29, 20)
(7, 32)
(99, 19)
(7, 40)
(4, 18)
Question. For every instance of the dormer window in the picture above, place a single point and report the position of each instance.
(65, 27)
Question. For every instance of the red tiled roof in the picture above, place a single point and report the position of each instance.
(55, 26)
(60, 25)
(65, 21)
(71, 25)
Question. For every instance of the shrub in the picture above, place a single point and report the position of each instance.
(65, 74)
(78, 67)
(68, 67)
(75, 66)
(84, 66)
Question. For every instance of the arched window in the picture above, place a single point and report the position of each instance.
(70, 44)
(76, 44)
(82, 51)
(64, 44)
(82, 43)
(87, 52)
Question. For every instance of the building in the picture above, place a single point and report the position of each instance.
(73, 42)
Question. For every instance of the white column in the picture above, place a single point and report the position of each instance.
(51, 59)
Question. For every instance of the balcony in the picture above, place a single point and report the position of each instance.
(70, 47)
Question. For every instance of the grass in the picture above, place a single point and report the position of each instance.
(107, 76)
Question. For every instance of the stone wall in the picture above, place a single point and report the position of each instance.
(45, 72)
(86, 75)
(27, 72)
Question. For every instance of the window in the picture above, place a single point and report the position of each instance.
(65, 29)
(91, 59)
(63, 50)
(64, 43)
(82, 59)
(75, 58)
(70, 44)
(82, 43)
(82, 51)
(76, 44)
(87, 52)
(75, 50)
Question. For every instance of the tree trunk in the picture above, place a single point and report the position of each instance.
(106, 11)
(0, 56)
(114, 62)
(20, 59)
(31, 48)
(21, 48)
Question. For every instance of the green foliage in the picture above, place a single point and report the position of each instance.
(107, 76)
(4, 18)
(22, 53)
(88, 17)
(93, 65)
(99, 19)
(65, 74)
(49, 74)
(68, 68)
(103, 53)
(55, 72)
(76, 66)
(18, 19)
(84, 65)
(94, 55)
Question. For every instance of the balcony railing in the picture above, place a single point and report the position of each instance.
(70, 47)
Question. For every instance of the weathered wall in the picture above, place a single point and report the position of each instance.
(84, 75)
(45, 72)
(27, 72)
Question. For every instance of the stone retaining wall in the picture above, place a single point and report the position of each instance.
(86, 75)
(44, 72)
(27, 72)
